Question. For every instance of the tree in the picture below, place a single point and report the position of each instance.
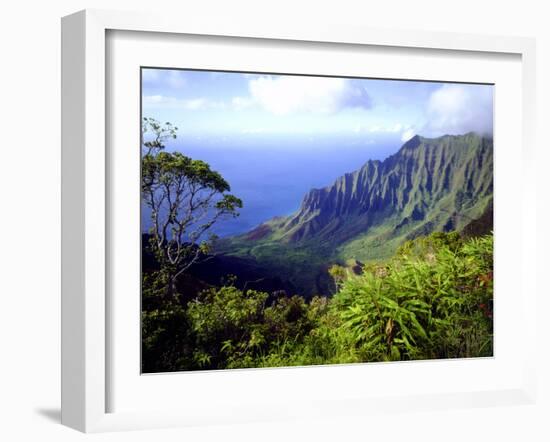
(186, 198)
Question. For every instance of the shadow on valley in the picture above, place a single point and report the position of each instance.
(217, 270)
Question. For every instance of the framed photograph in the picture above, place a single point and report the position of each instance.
(275, 222)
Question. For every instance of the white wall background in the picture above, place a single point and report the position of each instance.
(30, 216)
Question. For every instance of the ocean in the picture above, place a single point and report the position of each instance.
(272, 180)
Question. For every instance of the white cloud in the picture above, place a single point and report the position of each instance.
(457, 109)
(195, 103)
(289, 94)
(407, 134)
(167, 102)
(380, 129)
(258, 130)
(240, 103)
(156, 99)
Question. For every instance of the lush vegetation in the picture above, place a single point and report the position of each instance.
(433, 299)
(429, 298)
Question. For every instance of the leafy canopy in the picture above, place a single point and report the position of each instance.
(186, 198)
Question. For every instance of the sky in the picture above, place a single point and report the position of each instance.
(276, 137)
(253, 109)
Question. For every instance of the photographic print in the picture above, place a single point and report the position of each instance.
(296, 220)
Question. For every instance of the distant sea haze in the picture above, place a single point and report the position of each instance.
(272, 180)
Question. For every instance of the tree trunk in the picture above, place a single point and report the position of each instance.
(171, 291)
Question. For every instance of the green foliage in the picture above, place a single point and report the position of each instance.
(338, 274)
(433, 299)
(185, 197)
(235, 328)
(160, 133)
(433, 302)
(166, 340)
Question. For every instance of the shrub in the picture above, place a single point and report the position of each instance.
(435, 301)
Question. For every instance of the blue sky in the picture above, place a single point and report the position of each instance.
(251, 109)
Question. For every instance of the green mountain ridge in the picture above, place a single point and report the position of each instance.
(430, 184)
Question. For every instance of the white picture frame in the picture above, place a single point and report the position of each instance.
(85, 196)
